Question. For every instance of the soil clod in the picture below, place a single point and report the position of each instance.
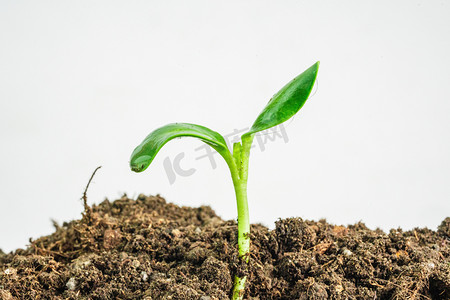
(150, 249)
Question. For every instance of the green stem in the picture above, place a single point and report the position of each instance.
(239, 287)
(240, 187)
(239, 173)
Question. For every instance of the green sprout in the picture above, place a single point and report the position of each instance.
(283, 105)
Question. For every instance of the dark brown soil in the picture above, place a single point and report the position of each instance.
(150, 249)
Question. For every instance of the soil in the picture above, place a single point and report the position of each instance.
(149, 249)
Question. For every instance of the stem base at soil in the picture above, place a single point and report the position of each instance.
(239, 287)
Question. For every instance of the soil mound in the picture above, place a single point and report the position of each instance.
(149, 249)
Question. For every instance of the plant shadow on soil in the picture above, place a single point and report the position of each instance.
(149, 249)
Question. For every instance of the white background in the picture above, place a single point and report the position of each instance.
(83, 82)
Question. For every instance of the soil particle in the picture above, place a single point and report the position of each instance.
(71, 284)
(149, 249)
(444, 228)
(216, 273)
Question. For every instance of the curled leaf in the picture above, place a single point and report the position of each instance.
(144, 154)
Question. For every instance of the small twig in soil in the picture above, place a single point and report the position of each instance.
(415, 234)
(87, 209)
(399, 286)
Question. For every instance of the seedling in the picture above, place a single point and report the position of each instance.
(283, 105)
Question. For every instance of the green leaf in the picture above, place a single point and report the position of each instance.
(144, 154)
(287, 102)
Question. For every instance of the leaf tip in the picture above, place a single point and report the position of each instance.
(140, 163)
(315, 66)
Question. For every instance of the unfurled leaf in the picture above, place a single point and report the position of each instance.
(287, 102)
